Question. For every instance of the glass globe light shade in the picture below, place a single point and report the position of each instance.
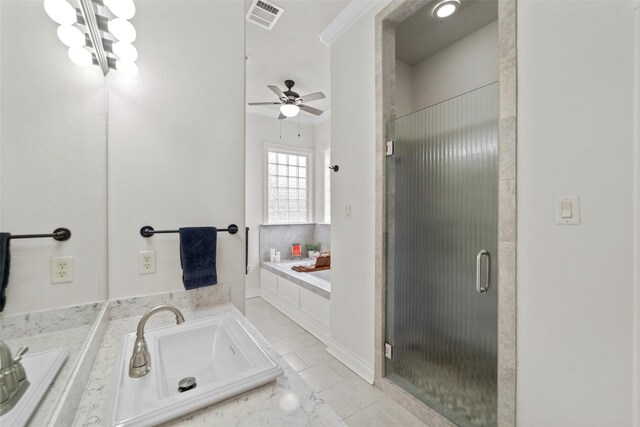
(124, 9)
(80, 56)
(122, 29)
(127, 68)
(60, 11)
(289, 110)
(71, 36)
(125, 51)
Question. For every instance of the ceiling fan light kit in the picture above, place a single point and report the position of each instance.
(289, 109)
(291, 103)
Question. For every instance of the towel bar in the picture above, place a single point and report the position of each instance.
(148, 231)
(60, 234)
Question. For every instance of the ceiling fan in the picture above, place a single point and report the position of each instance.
(290, 102)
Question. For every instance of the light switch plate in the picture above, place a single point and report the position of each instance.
(574, 203)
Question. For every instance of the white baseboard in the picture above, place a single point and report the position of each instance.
(312, 326)
(252, 293)
(352, 361)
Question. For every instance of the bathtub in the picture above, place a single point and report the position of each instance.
(304, 297)
(324, 275)
(318, 282)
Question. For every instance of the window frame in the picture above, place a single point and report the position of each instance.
(287, 149)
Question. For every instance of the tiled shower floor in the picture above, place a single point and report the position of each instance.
(352, 398)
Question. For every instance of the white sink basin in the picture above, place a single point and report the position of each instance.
(41, 368)
(218, 352)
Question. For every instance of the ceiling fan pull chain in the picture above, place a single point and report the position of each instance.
(298, 126)
(280, 128)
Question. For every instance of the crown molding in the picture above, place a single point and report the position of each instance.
(305, 120)
(345, 19)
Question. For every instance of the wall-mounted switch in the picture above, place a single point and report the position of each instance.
(568, 210)
(347, 212)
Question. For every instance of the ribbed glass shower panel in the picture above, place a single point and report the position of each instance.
(442, 210)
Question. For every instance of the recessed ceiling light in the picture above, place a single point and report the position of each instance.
(446, 8)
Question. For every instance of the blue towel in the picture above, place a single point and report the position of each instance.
(5, 258)
(198, 256)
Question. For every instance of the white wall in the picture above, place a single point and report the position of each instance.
(176, 143)
(465, 65)
(322, 141)
(575, 288)
(404, 88)
(258, 130)
(353, 240)
(53, 170)
(636, 252)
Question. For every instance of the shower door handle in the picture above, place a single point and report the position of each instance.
(479, 286)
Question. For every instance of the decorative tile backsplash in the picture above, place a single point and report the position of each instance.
(281, 236)
(322, 235)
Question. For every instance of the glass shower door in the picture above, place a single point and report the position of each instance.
(442, 229)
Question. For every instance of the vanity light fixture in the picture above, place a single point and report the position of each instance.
(97, 32)
(71, 36)
(79, 55)
(446, 8)
(125, 51)
(60, 11)
(124, 9)
(122, 30)
(289, 109)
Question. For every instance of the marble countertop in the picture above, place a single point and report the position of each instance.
(73, 339)
(286, 402)
(308, 281)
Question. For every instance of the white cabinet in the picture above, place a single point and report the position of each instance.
(289, 292)
(315, 306)
(269, 281)
(307, 309)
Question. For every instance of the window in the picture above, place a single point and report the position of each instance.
(287, 185)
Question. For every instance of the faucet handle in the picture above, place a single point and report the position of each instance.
(19, 369)
(21, 351)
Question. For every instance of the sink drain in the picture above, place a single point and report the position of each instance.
(186, 384)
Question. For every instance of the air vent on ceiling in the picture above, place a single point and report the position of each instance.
(264, 14)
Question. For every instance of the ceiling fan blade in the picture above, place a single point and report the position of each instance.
(265, 103)
(311, 110)
(312, 97)
(281, 116)
(277, 91)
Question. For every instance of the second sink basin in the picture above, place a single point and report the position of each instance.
(41, 369)
(218, 352)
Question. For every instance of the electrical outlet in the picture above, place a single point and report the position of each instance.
(62, 269)
(146, 262)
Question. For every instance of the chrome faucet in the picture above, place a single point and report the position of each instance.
(140, 363)
(13, 378)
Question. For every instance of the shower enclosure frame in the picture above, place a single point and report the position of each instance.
(386, 21)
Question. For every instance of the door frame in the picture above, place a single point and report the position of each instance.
(386, 21)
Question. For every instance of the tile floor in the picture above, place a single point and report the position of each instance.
(352, 398)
